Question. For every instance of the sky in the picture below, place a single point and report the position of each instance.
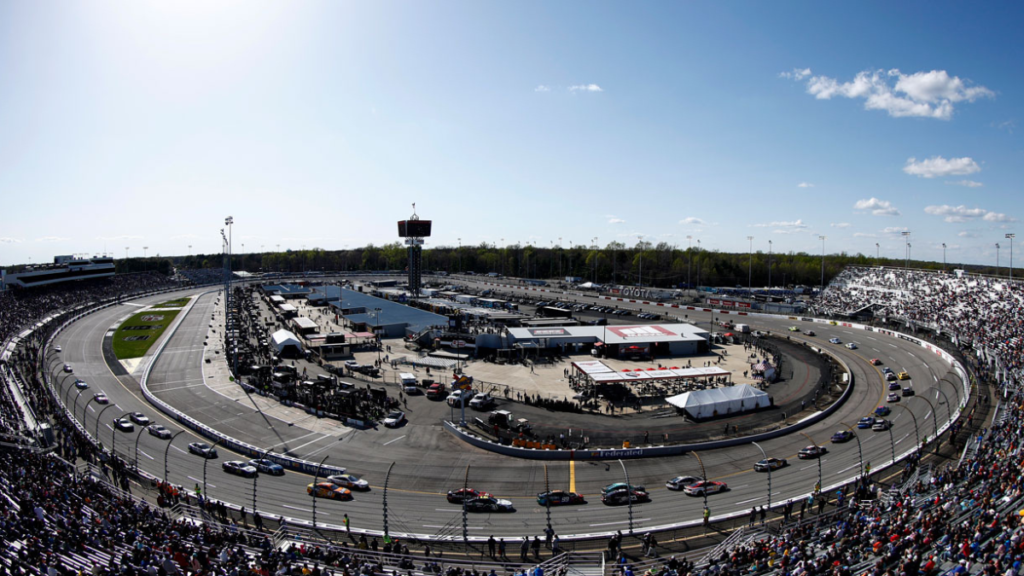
(136, 127)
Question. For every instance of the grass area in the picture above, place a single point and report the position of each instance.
(179, 303)
(150, 323)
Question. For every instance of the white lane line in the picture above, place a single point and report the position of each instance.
(847, 468)
(936, 379)
(912, 354)
(904, 437)
(897, 417)
(300, 509)
(751, 500)
(178, 449)
(872, 338)
(177, 388)
(279, 444)
(459, 509)
(311, 442)
(806, 467)
(395, 440)
(928, 414)
(619, 522)
(92, 409)
(108, 426)
(893, 345)
(197, 480)
(143, 452)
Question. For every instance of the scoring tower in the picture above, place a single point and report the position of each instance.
(414, 231)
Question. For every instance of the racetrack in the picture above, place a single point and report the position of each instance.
(429, 461)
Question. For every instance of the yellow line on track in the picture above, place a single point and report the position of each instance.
(572, 475)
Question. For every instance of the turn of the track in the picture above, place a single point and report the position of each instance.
(429, 461)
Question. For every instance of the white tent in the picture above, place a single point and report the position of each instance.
(283, 339)
(720, 401)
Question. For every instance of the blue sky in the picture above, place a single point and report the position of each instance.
(318, 124)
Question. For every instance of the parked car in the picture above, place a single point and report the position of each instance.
(481, 402)
(458, 396)
(394, 419)
(680, 482)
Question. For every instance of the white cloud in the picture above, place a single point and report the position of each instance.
(185, 237)
(967, 183)
(616, 221)
(941, 167)
(585, 88)
(864, 235)
(894, 230)
(795, 225)
(125, 237)
(693, 221)
(966, 234)
(805, 185)
(787, 231)
(542, 88)
(51, 239)
(796, 74)
(921, 94)
(877, 207)
(963, 214)
(840, 224)
(6, 240)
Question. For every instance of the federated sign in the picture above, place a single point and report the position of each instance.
(621, 453)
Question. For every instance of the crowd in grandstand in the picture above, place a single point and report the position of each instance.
(982, 313)
(965, 519)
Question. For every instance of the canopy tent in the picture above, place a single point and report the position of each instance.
(284, 342)
(599, 373)
(719, 401)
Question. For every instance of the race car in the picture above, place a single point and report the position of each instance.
(139, 418)
(842, 436)
(883, 411)
(809, 452)
(793, 329)
(394, 419)
(57, 348)
(620, 486)
(267, 466)
(835, 341)
(123, 424)
(892, 397)
(851, 345)
(67, 368)
(101, 398)
(624, 496)
(769, 464)
(894, 385)
(159, 431)
(559, 498)
(908, 391)
(680, 482)
(903, 376)
(202, 449)
(328, 490)
(875, 362)
(881, 425)
(349, 481)
(702, 488)
(865, 422)
(81, 384)
(890, 376)
(809, 333)
(457, 496)
(489, 504)
(238, 468)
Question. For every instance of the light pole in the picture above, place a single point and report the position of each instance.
(943, 256)
(594, 241)
(822, 238)
(113, 435)
(698, 264)
(878, 252)
(387, 477)
(917, 431)
(1010, 237)
(137, 437)
(640, 278)
(205, 462)
(820, 485)
(190, 250)
(460, 255)
(168, 449)
(85, 412)
(906, 250)
(703, 477)
(997, 258)
(629, 496)
(750, 264)
(689, 260)
(377, 329)
(126, 252)
(99, 417)
(145, 249)
(860, 451)
(255, 476)
(316, 479)
(769, 265)
(935, 420)
(765, 455)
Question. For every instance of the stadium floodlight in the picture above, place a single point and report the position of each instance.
(1010, 236)
(906, 239)
(822, 238)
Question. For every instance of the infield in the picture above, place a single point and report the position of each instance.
(134, 337)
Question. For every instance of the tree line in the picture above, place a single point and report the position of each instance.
(658, 265)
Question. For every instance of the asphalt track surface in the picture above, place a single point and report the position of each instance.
(429, 461)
